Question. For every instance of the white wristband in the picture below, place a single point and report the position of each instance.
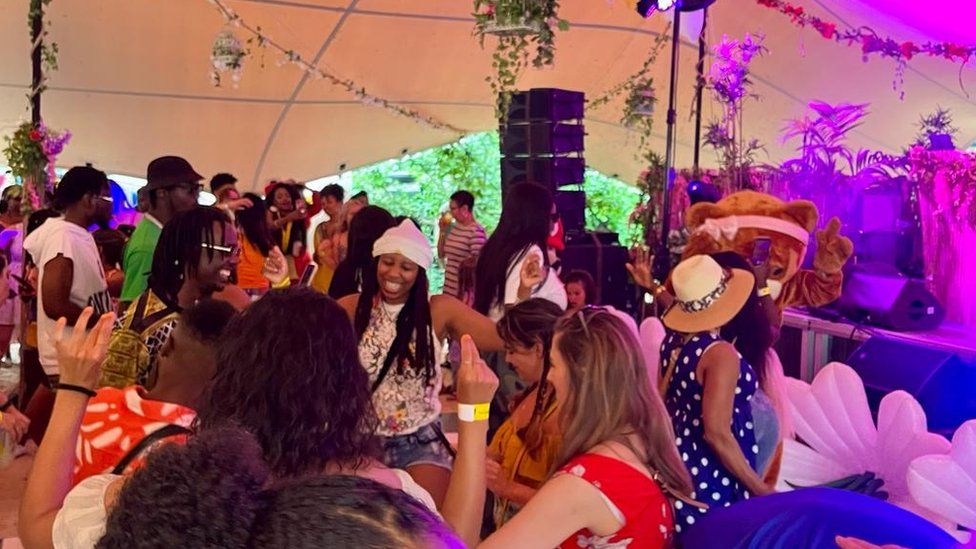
(471, 413)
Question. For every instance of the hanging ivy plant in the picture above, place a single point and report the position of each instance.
(517, 24)
(49, 50)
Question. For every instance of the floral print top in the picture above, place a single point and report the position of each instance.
(405, 401)
(636, 500)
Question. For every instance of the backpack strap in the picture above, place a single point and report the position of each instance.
(159, 434)
(138, 310)
(141, 323)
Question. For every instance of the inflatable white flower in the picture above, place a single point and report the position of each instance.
(837, 437)
(946, 484)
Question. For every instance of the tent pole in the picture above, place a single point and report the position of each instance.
(37, 73)
(662, 257)
(699, 92)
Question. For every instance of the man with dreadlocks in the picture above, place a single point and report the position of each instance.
(196, 253)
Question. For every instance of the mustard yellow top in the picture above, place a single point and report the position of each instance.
(517, 463)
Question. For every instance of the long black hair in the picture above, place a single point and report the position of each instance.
(529, 323)
(749, 331)
(366, 228)
(413, 319)
(179, 250)
(525, 221)
(253, 222)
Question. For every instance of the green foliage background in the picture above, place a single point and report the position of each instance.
(420, 186)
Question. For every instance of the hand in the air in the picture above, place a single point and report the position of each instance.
(640, 268)
(476, 383)
(80, 355)
(275, 267)
(533, 272)
(833, 248)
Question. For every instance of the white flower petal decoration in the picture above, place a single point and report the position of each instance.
(837, 437)
(946, 484)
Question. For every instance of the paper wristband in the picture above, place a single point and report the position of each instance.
(473, 412)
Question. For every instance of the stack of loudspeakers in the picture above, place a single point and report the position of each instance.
(542, 143)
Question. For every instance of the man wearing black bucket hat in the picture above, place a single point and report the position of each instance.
(173, 186)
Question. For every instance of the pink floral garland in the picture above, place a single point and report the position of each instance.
(871, 43)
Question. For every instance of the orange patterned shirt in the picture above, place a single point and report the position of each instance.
(115, 421)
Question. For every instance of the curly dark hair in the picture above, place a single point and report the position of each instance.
(179, 249)
(343, 512)
(288, 371)
(203, 494)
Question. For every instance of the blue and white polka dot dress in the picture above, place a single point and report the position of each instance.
(714, 485)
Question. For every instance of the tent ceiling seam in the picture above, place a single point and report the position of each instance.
(298, 88)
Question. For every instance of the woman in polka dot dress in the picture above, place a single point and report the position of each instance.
(708, 386)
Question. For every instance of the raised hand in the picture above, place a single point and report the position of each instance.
(640, 268)
(81, 354)
(476, 383)
(833, 248)
(275, 267)
(239, 204)
(532, 274)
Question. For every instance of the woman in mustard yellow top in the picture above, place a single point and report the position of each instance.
(523, 450)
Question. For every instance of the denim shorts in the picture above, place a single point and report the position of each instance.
(423, 447)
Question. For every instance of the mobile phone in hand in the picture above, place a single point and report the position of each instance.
(760, 251)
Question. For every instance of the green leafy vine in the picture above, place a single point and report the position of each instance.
(517, 24)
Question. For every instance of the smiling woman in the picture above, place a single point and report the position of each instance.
(397, 323)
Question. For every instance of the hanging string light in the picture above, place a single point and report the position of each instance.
(291, 56)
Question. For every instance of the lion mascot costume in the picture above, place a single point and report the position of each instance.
(733, 224)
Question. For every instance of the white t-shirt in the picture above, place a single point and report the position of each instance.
(550, 289)
(59, 237)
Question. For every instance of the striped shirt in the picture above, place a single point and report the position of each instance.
(460, 244)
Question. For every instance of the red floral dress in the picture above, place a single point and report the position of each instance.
(635, 499)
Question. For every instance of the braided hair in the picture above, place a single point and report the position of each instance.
(529, 323)
(179, 250)
(413, 319)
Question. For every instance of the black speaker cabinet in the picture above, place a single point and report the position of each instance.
(893, 302)
(942, 382)
(606, 263)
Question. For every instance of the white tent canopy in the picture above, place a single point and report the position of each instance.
(133, 82)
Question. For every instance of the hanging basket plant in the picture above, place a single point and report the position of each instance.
(227, 55)
(517, 24)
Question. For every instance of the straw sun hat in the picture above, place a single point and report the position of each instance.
(706, 296)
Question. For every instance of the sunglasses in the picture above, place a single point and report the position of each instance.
(229, 251)
(190, 188)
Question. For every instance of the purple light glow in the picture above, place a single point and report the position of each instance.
(950, 20)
